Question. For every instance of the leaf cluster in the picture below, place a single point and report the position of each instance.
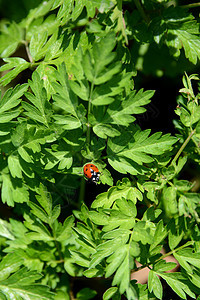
(80, 105)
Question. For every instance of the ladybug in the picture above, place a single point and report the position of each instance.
(91, 172)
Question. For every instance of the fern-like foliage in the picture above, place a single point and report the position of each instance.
(68, 98)
(22, 283)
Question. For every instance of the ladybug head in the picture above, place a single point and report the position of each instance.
(95, 176)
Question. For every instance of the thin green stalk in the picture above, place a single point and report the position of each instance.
(89, 110)
(191, 5)
(82, 185)
(182, 147)
(81, 192)
(57, 244)
(175, 250)
(122, 21)
(130, 240)
(163, 256)
(28, 52)
(141, 11)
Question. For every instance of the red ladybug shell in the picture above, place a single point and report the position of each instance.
(91, 172)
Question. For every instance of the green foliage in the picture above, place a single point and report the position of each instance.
(178, 30)
(68, 98)
(22, 282)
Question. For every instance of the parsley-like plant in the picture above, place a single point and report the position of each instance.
(68, 98)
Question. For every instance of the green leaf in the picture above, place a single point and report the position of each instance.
(95, 61)
(14, 166)
(5, 230)
(64, 98)
(90, 6)
(151, 214)
(11, 36)
(16, 65)
(107, 248)
(155, 285)
(47, 75)
(142, 232)
(194, 278)
(66, 229)
(55, 213)
(86, 294)
(115, 260)
(159, 235)
(10, 100)
(67, 122)
(105, 130)
(12, 96)
(109, 293)
(106, 177)
(176, 232)
(134, 148)
(127, 207)
(38, 212)
(114, 86)
(90, 273)
(44, 198)
(122, 190)
(10, 263)
(72, 114)
(80, 259)
(37, 12)
(19, 242)
(187, 40)
(131, 292)
(39, 108)
(122, 275)
(28, 139)
(24, 154)
(102, 100)
(117, 219)
(110, 71)
(13, 190)
(179, 30)
(21, 284)
(52, 158)
(176, 282)
(118, 113)
(169, 200)
(81, 89)
(186, 257)
(47, 24)
(163, 266)
(53, 47)
(37, 42)
(69, 266)
(46, 42)
(38, 230)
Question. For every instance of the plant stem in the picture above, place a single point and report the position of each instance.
(81, 192)
(141, 11)
(58, 249)
(163, 256)
(122, 21)
(89, 109)
(190, 5)
(82, 185)
(175, 250)
(28, 52)
(182, 147)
